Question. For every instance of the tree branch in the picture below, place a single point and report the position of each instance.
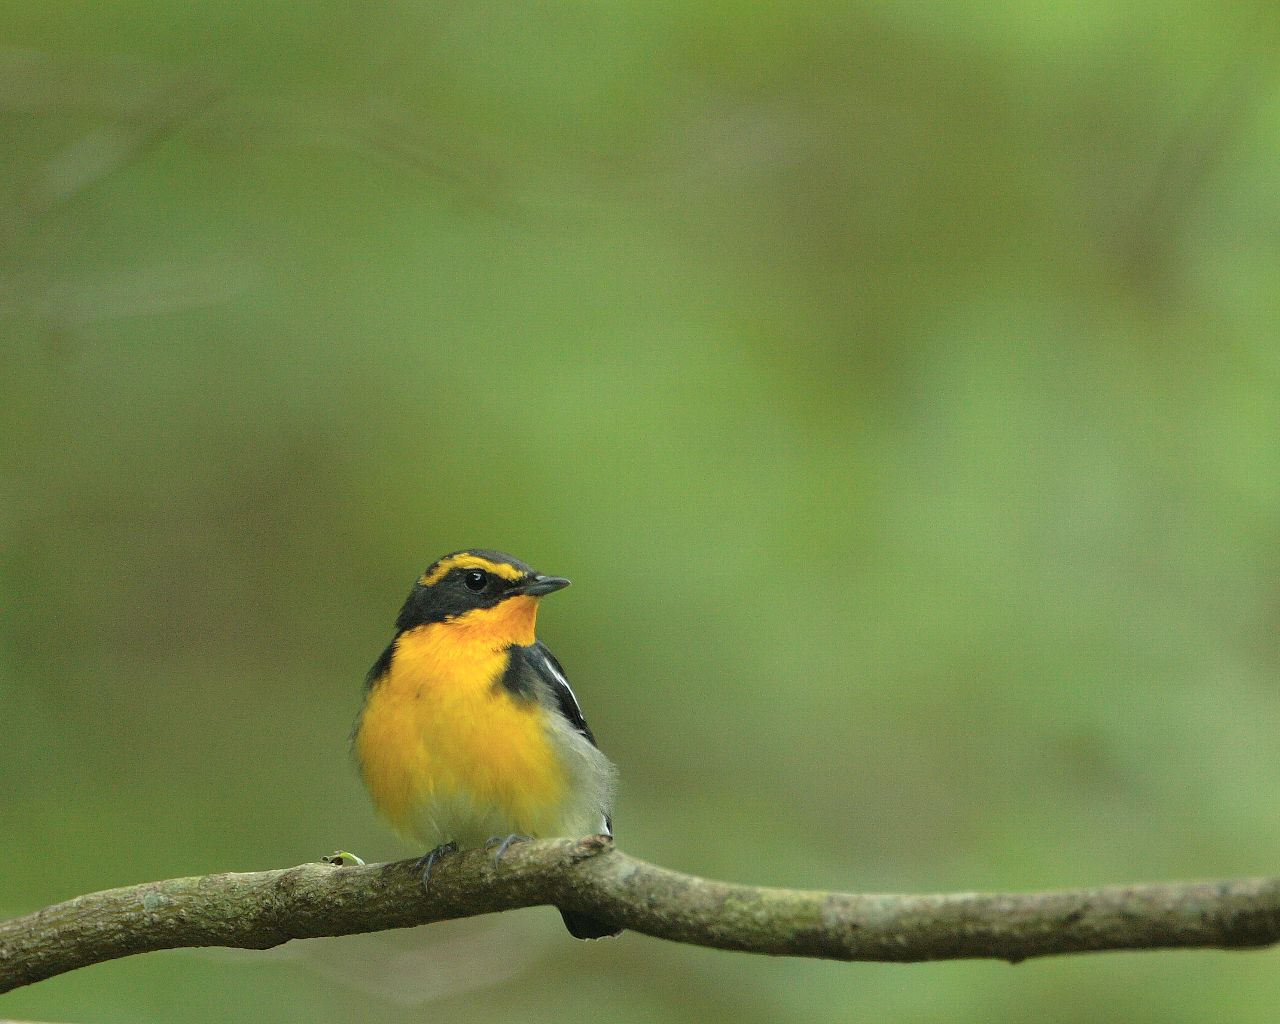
(261, 909)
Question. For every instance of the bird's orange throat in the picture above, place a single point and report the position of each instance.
(509, 622)
(463, 655)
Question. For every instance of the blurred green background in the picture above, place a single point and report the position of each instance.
(898, 382)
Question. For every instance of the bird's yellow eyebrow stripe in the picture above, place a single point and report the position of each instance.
(466, 560)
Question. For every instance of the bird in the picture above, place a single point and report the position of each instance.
(469, 734)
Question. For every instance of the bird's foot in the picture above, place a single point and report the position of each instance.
(428, 861)
(504, 844)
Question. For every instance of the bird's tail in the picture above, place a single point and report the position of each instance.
(584, 926)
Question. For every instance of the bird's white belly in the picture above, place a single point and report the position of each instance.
(456, 816)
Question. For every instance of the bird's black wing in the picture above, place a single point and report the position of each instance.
(538, 660)
(380, 667)
(548, 670)
(548, 667)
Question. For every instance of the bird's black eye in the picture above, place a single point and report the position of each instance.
(475, 580)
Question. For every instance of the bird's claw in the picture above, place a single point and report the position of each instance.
(428, 860)
(505, 843)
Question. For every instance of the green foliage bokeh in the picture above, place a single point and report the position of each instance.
(898, 383)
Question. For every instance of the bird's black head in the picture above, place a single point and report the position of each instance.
(468, 581)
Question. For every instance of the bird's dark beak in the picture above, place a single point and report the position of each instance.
(536, 586)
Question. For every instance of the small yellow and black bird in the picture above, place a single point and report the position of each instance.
(470, 733)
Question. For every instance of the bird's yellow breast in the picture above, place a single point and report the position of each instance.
(439, 729)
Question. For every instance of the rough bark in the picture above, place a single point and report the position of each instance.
(260, 909)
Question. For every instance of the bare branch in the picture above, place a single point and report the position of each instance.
(261, 909)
